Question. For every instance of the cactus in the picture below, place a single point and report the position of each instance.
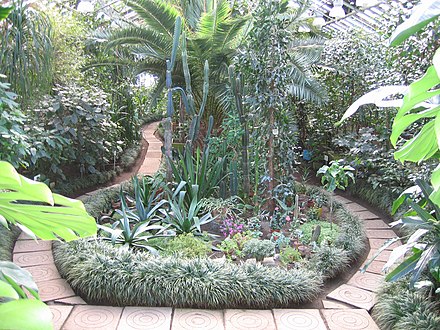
(168, 133)
(316, 233)
(233, 184)
(237, 90)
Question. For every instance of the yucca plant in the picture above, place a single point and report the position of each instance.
(184, 218)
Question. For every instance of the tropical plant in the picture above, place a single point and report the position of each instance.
(16, 310)
(32, 207)
(418, 102)
(258, 249)
(213, 32)
(184, 218)
(14, 142)
(422, 248)
(276, 66)
(336, 175)
(26, 52)
(198, 169)
(147, 196)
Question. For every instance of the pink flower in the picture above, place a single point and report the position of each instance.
(288, 218)
(277, 208)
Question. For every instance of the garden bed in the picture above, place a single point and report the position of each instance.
(108, 274)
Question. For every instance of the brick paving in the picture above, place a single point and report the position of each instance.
(346, 307)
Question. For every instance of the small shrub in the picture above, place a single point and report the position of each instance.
(329, 232)
(259, 249)
(8, 237)
(279, 240)
(186, 246)
(289, 255)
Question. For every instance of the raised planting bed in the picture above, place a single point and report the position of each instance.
(188, 274)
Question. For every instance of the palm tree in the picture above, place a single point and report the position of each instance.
(212, 31)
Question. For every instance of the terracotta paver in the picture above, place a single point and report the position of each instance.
(145, 318)
(304, 319)
(32, 246)
(189, 319)
(375, 267)
(33, 258)
(332, 304)
(353, 207)
(59, 315)
(240, 319)
(383, 256)
(154, 154)
(43, 273)
(342, 200)
(377, 243)
(76, 300)
(366, 215)
(24, 236)
(366, 281)
(381, 233)
(93, 317)
(55, 289)
(349, 319)
(353, 296)
(375, 224)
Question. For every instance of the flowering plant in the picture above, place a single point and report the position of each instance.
(231, 226)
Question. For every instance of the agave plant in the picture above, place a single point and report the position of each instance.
(148, 197)
(133, 231)
(183, 218)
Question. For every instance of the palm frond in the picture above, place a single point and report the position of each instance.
(159, 15)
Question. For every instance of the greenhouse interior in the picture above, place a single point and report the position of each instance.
(220, 164)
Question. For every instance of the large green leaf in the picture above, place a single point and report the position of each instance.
(379, 97)
(17, 277)
(7, 291)
(36, 210)
(423, 14)
(29, 314)
(421, 147)
(4, 12)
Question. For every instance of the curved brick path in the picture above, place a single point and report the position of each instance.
(346, 307)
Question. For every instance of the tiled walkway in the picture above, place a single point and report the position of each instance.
(346, 307)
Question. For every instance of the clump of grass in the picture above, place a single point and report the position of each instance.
(329, 260)
(399, 307)
(7, 241)
(352, 236)
(106, 274)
